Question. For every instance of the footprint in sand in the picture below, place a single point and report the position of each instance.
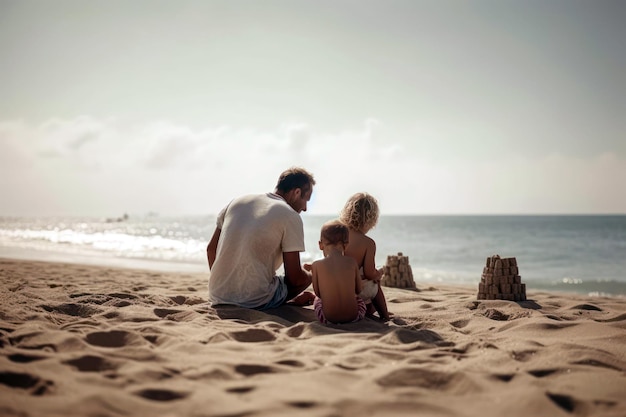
(178, 299)
(156, 394)
(296, 330)
(353, 363)
(418, 377)
(302, 404)
(586, 307)
(459, 324)
(190, 301)
(22, 358)
(240, 390)
(254, 336)
(540, 373)
(114, 339)
(116, 302)
(34, 384)
(91, 363)
(566, 402)
(493, 314)
(473, 305)
(599, 364)
(406, 336)
(249, 369)
(164, 312)
(293, 363)
(123, 296)
(503, 377)
(71, 309)
(548, 326)
(523, 355)
(621, 317)
(88, 298)
(454, 353)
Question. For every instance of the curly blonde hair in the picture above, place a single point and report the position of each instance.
(360, 212)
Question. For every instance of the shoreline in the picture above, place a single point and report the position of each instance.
(586, 288)
(78, 340)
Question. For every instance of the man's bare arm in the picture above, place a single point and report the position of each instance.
(296, 277)
(294, 272)
(211, 249)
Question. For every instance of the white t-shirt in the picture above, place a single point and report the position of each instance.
(255, 231)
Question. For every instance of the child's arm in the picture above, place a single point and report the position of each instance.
(369, 263)
(358, 284)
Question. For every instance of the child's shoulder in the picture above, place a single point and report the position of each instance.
(359, 236)
(349, 261)
(318, 261)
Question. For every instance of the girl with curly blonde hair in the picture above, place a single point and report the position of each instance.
(360, 214)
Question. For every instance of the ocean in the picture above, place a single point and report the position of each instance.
(584, 254)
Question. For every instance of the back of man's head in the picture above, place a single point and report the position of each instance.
(293, 178)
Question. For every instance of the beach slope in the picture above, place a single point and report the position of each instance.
(81, 340)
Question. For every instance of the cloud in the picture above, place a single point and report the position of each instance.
(108, 166)
(165, 145)
(298, 135)
(61, 138)
(14, 153)
(372, 128)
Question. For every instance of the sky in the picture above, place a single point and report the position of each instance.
(434, 107)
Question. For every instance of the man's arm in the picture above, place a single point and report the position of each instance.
(296, 278)
(211, 249)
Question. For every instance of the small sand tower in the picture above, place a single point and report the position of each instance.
(397, 272)
(501, 280)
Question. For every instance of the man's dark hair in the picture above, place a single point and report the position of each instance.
(293, 178)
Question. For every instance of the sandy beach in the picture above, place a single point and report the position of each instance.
(81, 340)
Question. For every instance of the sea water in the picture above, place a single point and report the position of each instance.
(581, 253)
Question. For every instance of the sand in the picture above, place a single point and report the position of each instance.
(81, 340)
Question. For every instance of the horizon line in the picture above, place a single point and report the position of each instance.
(156, 214)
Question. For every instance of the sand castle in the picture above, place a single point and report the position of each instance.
(397, 272)
(501, 280)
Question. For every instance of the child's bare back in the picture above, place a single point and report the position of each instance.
(337, 280)
(362, 248)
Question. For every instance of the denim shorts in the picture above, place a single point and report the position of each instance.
(280, 295)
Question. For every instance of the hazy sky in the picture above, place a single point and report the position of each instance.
(439, 106)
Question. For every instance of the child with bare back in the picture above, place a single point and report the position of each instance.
(360, 214)
(336, 278)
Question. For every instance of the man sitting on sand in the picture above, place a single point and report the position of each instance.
(255, 235)
(336, 278)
